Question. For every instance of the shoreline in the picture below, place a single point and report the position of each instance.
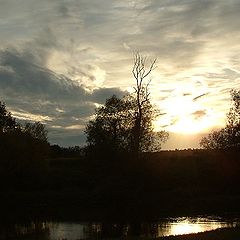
(218, 234)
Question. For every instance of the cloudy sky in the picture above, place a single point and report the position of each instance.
(59, 59)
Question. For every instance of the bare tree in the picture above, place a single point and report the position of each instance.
(141, 73)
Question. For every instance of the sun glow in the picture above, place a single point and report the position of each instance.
(188, 125)
(185, 115)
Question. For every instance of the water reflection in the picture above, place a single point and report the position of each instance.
(185, 228)
(73, 231)
(179, 226)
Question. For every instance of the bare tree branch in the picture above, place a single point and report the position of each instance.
(141, 72)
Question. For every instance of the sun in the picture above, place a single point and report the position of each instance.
(185, 116)
(189, 125)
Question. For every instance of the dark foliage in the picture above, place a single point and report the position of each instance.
(23, 159)
(7, 122)
(23, 152)
(110, 130)
(65, 152)
(36, 130)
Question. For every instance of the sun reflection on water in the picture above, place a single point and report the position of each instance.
(185, 228)
(188, 225)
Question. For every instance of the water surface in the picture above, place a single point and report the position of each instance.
(95, 230)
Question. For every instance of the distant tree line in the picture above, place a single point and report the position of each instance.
(57, 151)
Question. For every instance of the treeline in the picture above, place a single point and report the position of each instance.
(57, 151)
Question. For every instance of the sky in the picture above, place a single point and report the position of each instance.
(60, 59)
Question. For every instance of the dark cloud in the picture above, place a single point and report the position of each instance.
(26, 78)
(99, 95)
(31, 89)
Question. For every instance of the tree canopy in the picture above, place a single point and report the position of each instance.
(111, 126)
(229, 136)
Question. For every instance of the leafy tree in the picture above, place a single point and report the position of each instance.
(229, 136)
(7, 122)
(111, 127)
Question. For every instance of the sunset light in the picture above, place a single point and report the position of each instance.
(74, 56)
(119, 119)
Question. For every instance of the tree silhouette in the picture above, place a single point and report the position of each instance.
(140, 73)
(233, 121)
(215, 140)
(229, 136)
(37, 130)
(23, 150)
(7, 122)
(111, 127)
(127, 124)
(143, 136)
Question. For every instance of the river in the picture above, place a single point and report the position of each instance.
(53, 230)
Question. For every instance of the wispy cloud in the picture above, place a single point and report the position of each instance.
(199, 96)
